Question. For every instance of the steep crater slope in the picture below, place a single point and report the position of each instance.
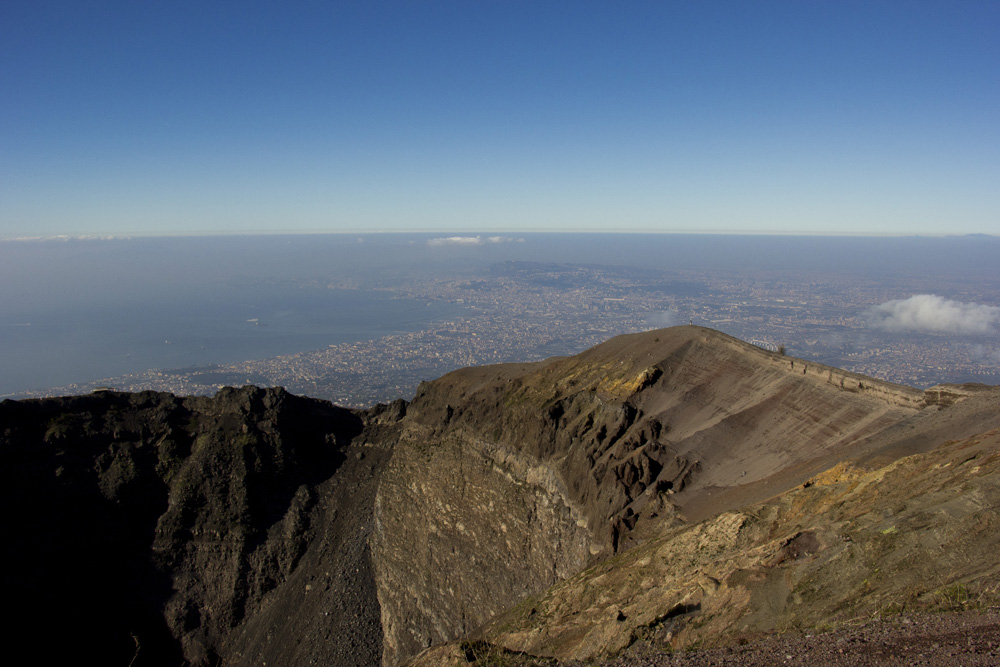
(506, 479)
(150, 529)
(918, 534)
(257, 526)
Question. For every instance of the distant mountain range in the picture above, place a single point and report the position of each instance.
(663, 490)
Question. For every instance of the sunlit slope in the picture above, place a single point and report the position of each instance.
(514, 476)
(919, 533)
(664, 488)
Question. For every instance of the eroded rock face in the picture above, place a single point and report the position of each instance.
(258, 527)
(494, 494)
(464, 530)
(154, 527)
(912, 536)
(508, 478)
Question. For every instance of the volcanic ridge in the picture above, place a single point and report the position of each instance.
(666, 490)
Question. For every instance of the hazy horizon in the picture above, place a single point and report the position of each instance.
(462, 233)
(76, 311)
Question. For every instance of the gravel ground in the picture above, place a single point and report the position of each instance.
(946, 640)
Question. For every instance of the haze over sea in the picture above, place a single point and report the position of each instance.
(75, 310)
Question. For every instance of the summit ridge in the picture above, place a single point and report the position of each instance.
(661, 490)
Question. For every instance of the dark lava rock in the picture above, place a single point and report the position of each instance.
(150, 529)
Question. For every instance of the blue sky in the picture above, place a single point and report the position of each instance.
(160, 117)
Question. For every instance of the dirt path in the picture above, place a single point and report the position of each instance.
(964, 639)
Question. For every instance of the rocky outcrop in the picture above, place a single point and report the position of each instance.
(915, 535)
(156, 528)
(462, 533)
(260, 527)
(596, 453)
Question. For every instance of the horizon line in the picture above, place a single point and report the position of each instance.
(452, 233)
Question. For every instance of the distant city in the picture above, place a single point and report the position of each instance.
(520, 311)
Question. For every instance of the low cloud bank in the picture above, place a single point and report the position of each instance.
(473, 240)
(929, 312)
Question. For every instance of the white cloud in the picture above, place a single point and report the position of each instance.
(472, 240)
(457, 240)
(929, 312)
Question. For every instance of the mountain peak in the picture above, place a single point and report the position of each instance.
(261, 526)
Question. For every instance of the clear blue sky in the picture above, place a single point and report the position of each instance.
(166, 116)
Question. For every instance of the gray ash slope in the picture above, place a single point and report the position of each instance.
(257, 526)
